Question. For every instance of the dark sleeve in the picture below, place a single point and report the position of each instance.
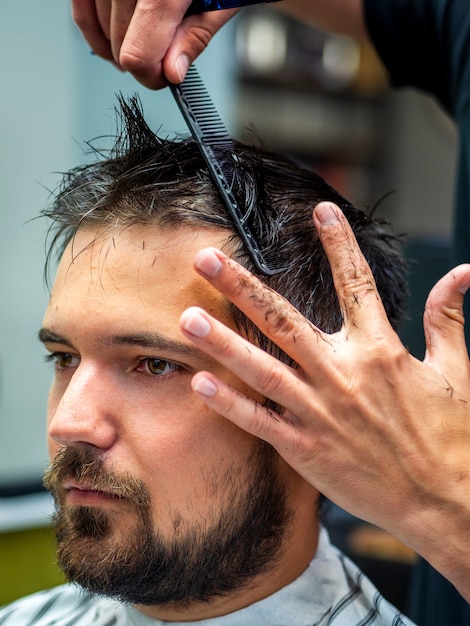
(424, 44)
(434, 601)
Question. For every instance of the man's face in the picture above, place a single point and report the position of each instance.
(160, 501)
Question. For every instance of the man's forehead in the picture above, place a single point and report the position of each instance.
(99, 243)
(102, 249)
(139, 271)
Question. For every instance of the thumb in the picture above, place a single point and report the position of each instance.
(191, 38)
(444, 322)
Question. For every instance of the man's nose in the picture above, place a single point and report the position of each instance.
(86, 412)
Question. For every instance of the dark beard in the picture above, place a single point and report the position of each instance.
(213, 558)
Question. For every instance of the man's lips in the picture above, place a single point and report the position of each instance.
(80, 494)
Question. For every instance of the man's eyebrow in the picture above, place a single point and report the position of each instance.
(155, 341)
(146, 340)
(48, 336)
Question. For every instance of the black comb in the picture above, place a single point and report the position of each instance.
(212, 137)
(201, 6)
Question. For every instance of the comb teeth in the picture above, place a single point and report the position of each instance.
(210, 134)
(205, 119)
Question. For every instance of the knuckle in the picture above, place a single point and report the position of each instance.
(281, 323)
(353, 274)
(434, 315)
(385, 355)
(355, 283)
(291, 328)
(281, 319)
(223, 346)
(355, 292)
(132, 59)
(136, 63)
(269, 380)
(224, 343)
(259, 420)
(201, 37)
(229, 403)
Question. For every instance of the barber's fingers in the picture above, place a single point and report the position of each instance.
(262, 372)
(360, 302)
(151, 39)
(149, 34)
(245, 412)
(277, 319)
(86, 15)
(103, 11)
(446, 350)
(191, 38)
(156, 43)
(117, 23)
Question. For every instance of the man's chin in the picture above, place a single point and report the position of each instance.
(90, 544)
(75, 524)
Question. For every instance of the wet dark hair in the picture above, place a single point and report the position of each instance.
(149, 180)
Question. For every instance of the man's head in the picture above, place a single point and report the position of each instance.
(161, 501)
(151, 181)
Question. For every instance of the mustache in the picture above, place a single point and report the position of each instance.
(84, 466)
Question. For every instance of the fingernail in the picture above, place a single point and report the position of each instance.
(326, 214)
(464, 286)
(205, 387)
(182, 66)
(195, 324)
(208, 263)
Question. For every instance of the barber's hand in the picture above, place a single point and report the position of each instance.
(382, 434)
(151, 39)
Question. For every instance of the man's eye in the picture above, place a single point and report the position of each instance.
(159, 367)
(63, 360)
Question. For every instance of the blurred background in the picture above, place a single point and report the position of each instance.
(319, 98)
